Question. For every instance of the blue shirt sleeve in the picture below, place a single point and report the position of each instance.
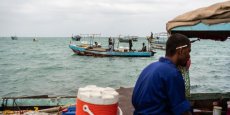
(176, 93)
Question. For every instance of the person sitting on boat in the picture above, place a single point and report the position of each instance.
(160, 88)
(144, 49)
(95, 44)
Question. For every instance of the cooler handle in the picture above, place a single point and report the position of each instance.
(86, 109)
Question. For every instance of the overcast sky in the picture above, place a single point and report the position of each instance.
(56, 18)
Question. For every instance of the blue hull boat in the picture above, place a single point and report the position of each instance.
(105, 53)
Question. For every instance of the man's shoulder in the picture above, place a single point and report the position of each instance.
(161, 67)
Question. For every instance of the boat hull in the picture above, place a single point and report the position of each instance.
(159, 46)
(126, 40)
(120, 54)
(83, 51)
(77, 50)
(14, 38)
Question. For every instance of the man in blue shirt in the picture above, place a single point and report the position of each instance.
(160, 88)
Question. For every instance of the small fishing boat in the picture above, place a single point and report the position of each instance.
(127, 38)
(35, 39)
(106, 53)
(76, 38)
(158, 41)
(135, 38)
(14, 37)
(160, 38)
(96, 50)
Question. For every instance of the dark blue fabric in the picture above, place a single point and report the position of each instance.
(160, 90)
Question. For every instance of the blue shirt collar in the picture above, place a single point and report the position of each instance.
(166, 60)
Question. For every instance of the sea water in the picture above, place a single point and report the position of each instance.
(49, 67)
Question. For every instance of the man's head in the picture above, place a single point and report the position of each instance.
(178, 48)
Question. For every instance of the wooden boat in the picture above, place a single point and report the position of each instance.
(14, 37)
(159, 46)
(158, 41)
(127, 38)
(35, 39)
(76, 38)
(77, 49)
(94, 51)
(202, 102)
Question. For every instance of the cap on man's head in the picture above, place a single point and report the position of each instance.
(176, 41)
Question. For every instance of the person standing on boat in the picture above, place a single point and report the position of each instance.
(113, 43)
(143, 47)
(160, 88)
(110, 44)
(130, 44)
(110, 41)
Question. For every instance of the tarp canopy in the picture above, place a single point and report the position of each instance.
(203, 22)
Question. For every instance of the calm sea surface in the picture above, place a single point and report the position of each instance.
(49, 67)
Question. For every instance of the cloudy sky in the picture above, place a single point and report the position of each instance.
(55, 18)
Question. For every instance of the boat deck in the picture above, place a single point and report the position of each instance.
(98, 49)
(201, 102)
(125, 102)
